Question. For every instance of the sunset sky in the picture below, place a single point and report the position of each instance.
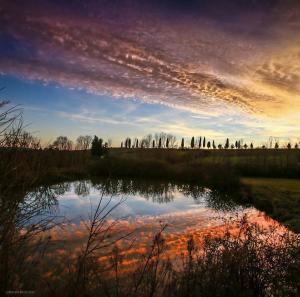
(119, 68)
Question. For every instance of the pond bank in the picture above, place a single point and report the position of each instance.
(279, 198)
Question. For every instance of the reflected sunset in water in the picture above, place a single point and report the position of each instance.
(139, 211)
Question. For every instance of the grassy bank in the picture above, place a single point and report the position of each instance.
(208, 166)
(279, 198)
(212, 167)
(23, 167)
(252, 162)
(210, 175)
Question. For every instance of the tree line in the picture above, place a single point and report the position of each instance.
(164, 140)
(18, 138)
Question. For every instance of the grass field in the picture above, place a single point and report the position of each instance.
(220, 167)
(251, 162)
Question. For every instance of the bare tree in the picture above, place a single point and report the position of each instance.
(172, 140)
(148, 139)
(240, 143)
(144, 143)
(83, 142)
(161, 138)
(8, 116)
(271, 141)
(12, 133)
(11, 123)
(62, 143)
(16, 137)
(79, 142)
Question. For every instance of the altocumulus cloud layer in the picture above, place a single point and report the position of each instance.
(192, 55)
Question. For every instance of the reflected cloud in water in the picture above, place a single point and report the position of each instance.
(187, 211)
(142, 199)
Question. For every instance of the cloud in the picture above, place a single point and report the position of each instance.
(192, 63)
(91, 118)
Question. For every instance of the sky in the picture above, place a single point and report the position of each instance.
(119, 68)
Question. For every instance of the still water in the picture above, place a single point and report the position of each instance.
(136, 208)
(132, 201)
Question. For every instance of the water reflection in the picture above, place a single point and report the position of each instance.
(131, 213)
(142, 199)
(82, 188)
(55, 234)
(142, 208)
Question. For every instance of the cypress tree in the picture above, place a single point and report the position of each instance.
(97, 148)
(182, 143)
(192, 142)
(227, 143)
(159, 143)
(200, 140)
(167, 143)
(204, 142)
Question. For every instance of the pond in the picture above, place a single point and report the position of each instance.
(133, 211)
(118, 235)
(134, 199)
